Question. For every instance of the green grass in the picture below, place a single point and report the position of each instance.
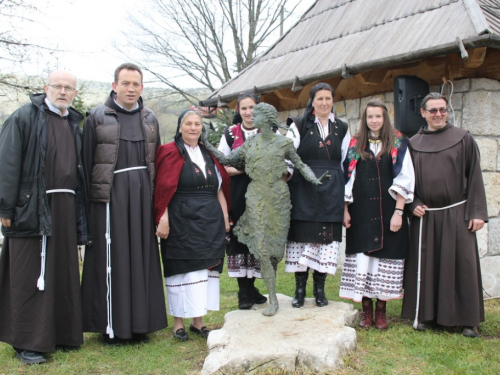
(399, 350)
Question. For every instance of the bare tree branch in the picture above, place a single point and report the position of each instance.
(207, 41)
(14, 51)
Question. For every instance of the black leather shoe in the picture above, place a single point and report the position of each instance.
(30, 357)
(139, 338)
(181, 334)
(115, 341)
(245, 300)
(319, 289)
(257, 297)
(470, 332)
(300, 289)
(424, 326)
(67, 348)
(203, 331)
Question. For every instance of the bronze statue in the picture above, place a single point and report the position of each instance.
(264, 225)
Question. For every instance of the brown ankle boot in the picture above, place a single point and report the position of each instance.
(367, 318)
(380, 318)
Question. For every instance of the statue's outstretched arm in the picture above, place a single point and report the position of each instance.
(234, 159)
(304, 168)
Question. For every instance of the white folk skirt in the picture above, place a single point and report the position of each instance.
(243, 265)
(315, 256)
(192, 294)
(364, 276)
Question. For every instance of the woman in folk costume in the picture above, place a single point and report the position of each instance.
(191, 202)
(241, 263)
(315, 232)
(380, 182)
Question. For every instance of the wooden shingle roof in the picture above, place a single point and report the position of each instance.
(345, 37)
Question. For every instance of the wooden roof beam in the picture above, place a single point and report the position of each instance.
(476, 57)
(372, 77)
(286, 94)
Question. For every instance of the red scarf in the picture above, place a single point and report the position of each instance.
(168, 164)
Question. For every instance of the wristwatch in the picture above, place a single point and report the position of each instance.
(399, 211)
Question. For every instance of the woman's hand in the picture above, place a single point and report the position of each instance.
(396, 222)
(231, 171)
(163, 228)
(347, 217)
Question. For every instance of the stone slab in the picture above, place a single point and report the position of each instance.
(457, 101)
(492, 186)
(480, 110)
(482, 240)
(485, 84)
(352, 108)
(353, 125)
(493, 237)
(488, 147)
(490, 274)
(461, 85)
(339, 109)
(311, 339)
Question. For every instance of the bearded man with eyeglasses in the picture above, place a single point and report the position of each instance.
(43, 216)
(442, 282)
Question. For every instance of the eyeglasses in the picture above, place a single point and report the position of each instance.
(59, 88)
(434, 111)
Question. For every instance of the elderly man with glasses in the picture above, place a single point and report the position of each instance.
(442, 274)
(43, 216)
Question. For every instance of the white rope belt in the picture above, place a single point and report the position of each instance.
(109, 328)
(415, 322)
(41, 280)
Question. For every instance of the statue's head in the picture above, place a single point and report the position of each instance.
(265, 116)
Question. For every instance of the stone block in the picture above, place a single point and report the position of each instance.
(456, 118)
(457, 101)
(282, 116)
(353, 125)
(490, 274)
(494, 237)
(390, 109)
(462, 85)
(344, 119)
(311, 339)
(352, 108)
(492, 187)
(389, 97)
(485, 84)
(489, 153)
(482, 241)
(339, 108)
(480, 109)
(498, 161)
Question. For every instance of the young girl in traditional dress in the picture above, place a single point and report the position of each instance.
(380, 182)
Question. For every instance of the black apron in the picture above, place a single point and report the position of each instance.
(197, 230)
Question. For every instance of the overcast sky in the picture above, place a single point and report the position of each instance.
(83, 32)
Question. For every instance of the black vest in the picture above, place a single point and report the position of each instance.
(319, 203)
(372, 210)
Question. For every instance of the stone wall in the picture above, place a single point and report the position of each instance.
(476, 103)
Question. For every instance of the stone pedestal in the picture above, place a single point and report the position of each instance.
(315, 339)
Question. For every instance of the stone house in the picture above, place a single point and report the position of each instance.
(359, 46)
